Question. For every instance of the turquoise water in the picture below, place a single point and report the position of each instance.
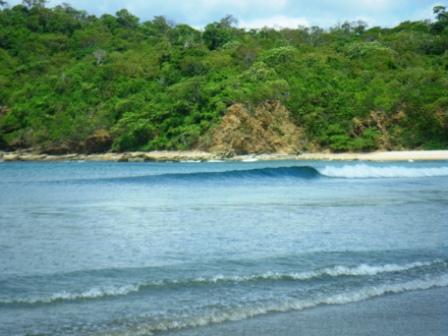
(149, 248)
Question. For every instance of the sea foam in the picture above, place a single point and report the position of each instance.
(241, 312)
(99, 292)
(335, 271)
(365, 171)
(91, 293)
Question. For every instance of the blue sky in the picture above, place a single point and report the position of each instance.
(259, 13)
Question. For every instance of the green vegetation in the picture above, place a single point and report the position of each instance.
(70, 81)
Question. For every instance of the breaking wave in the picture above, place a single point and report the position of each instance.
(359, 171)
(304, 172)
(122, 290)
(92, 293)
(365, 171)
(242, 312)
(336, 271)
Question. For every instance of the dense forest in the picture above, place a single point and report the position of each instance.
(74, 82)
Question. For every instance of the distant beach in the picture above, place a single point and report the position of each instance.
(200, 156)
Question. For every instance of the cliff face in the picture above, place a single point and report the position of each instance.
(265, 129)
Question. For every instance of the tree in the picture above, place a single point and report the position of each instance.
(441, 13)
(34, 3)
(126, 19)
(219, 33)
(65, 74)
(442, 18)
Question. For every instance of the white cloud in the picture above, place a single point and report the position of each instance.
(426, 13)
(367, 5)
(380, 5)
(277, 22)
(240, 4)
(259, 13)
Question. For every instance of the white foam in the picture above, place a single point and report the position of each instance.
(216, 316)
(365, 171)
(92, 293)
(360, 270)
(335, 271)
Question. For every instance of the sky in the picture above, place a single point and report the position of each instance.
(271, 13)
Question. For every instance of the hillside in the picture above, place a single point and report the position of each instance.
(73, 82)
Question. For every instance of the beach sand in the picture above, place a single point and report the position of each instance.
(177, 156)
(420, 313)
(380, 156)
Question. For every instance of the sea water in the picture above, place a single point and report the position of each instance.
(151, 248)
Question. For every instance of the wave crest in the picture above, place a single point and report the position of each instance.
(243, 312)
(365, 171)
(122, 290)
(292, 172)
(92, 293)
(303, 172)
(336, 271)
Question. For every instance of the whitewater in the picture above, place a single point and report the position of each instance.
(97, 248)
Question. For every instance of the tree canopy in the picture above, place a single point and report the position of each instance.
(67, 76)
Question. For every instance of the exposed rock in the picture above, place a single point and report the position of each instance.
(11, 157)
(109, 156)
(267, 129)
(179, 156)
(58, 149)
(149, 158)
(123, 158)
(15, 145)
(99, 142)
(117, 157)
(33, 157)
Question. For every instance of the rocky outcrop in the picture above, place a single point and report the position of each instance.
(99, 142)
(265, 129)
(156, 156)
(59, 148)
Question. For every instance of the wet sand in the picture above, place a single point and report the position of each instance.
(420, 313)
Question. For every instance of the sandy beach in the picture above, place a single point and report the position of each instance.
(408, 314)
(381, 156)
(197, 156)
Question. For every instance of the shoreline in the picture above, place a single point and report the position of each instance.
(412, 313)
(199, 156)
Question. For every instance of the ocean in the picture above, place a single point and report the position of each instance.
(97, 248)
